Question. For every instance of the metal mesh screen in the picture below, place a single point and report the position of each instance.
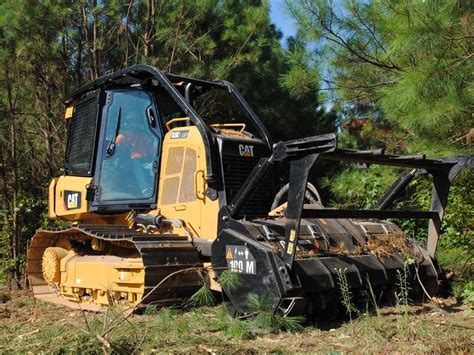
(82, 129)
(236, 171)
(187, 192)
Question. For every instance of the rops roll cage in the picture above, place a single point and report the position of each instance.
(141, 72)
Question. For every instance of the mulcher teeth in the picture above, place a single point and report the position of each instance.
(313, 284)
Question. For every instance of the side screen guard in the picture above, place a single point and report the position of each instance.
(443, 170)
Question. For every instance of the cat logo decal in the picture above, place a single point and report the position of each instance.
(246, 150)
(72, 200)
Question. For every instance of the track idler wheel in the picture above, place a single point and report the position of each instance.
(51, 263)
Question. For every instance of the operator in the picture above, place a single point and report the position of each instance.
(140, 146)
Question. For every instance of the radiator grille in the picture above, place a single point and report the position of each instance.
(82, 137)
(236, 171)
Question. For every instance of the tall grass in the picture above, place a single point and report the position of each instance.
(346, 294)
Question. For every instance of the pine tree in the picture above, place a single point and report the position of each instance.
(401, 73)
(49, 48)
(412, 60)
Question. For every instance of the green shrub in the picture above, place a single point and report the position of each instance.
(468, 294)
(362, 188)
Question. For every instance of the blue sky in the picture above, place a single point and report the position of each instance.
(282, 19)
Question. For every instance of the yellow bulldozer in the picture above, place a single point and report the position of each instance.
(166, 176)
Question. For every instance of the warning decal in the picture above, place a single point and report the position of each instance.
(239, 259)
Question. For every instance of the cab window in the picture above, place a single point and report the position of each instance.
(129, 156)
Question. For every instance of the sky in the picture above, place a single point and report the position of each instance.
(283, 21)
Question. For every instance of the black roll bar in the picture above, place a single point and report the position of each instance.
(143, 71)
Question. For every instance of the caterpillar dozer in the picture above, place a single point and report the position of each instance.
(165, 176)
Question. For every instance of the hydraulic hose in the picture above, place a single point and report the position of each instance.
(311, 195)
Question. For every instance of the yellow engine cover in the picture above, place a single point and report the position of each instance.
(183, 183)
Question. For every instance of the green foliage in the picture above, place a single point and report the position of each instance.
(202, 297)
(347, 140)
(302, 79)
(360, 188)
(402, 296)
(411, 61)
(31, 214)
(150, 310)
(457, 227)
(240, 329)
(460, 261)
(233, 326)
(371, 294)
(468, 295)
(229, 279)
(58, 331)
(266, 319)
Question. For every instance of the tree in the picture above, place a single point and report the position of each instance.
(402, 77)
(49, 48)
(413, 60)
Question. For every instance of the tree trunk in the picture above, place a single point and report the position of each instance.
(3, 177)
(95, 50)
(49, 129)
(149, 29)
(14, 244)
(78, 66)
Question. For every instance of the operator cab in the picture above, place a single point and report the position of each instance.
(117, 129)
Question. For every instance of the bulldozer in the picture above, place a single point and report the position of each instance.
(166, 176)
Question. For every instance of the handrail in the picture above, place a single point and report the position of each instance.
(174, 120)
(224, 125)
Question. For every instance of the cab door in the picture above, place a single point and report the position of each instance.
(129, 152)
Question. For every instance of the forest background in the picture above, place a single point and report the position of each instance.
(385, 74)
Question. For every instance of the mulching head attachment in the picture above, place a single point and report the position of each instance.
(301, 261)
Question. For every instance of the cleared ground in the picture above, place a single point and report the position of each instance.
(27, 326)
